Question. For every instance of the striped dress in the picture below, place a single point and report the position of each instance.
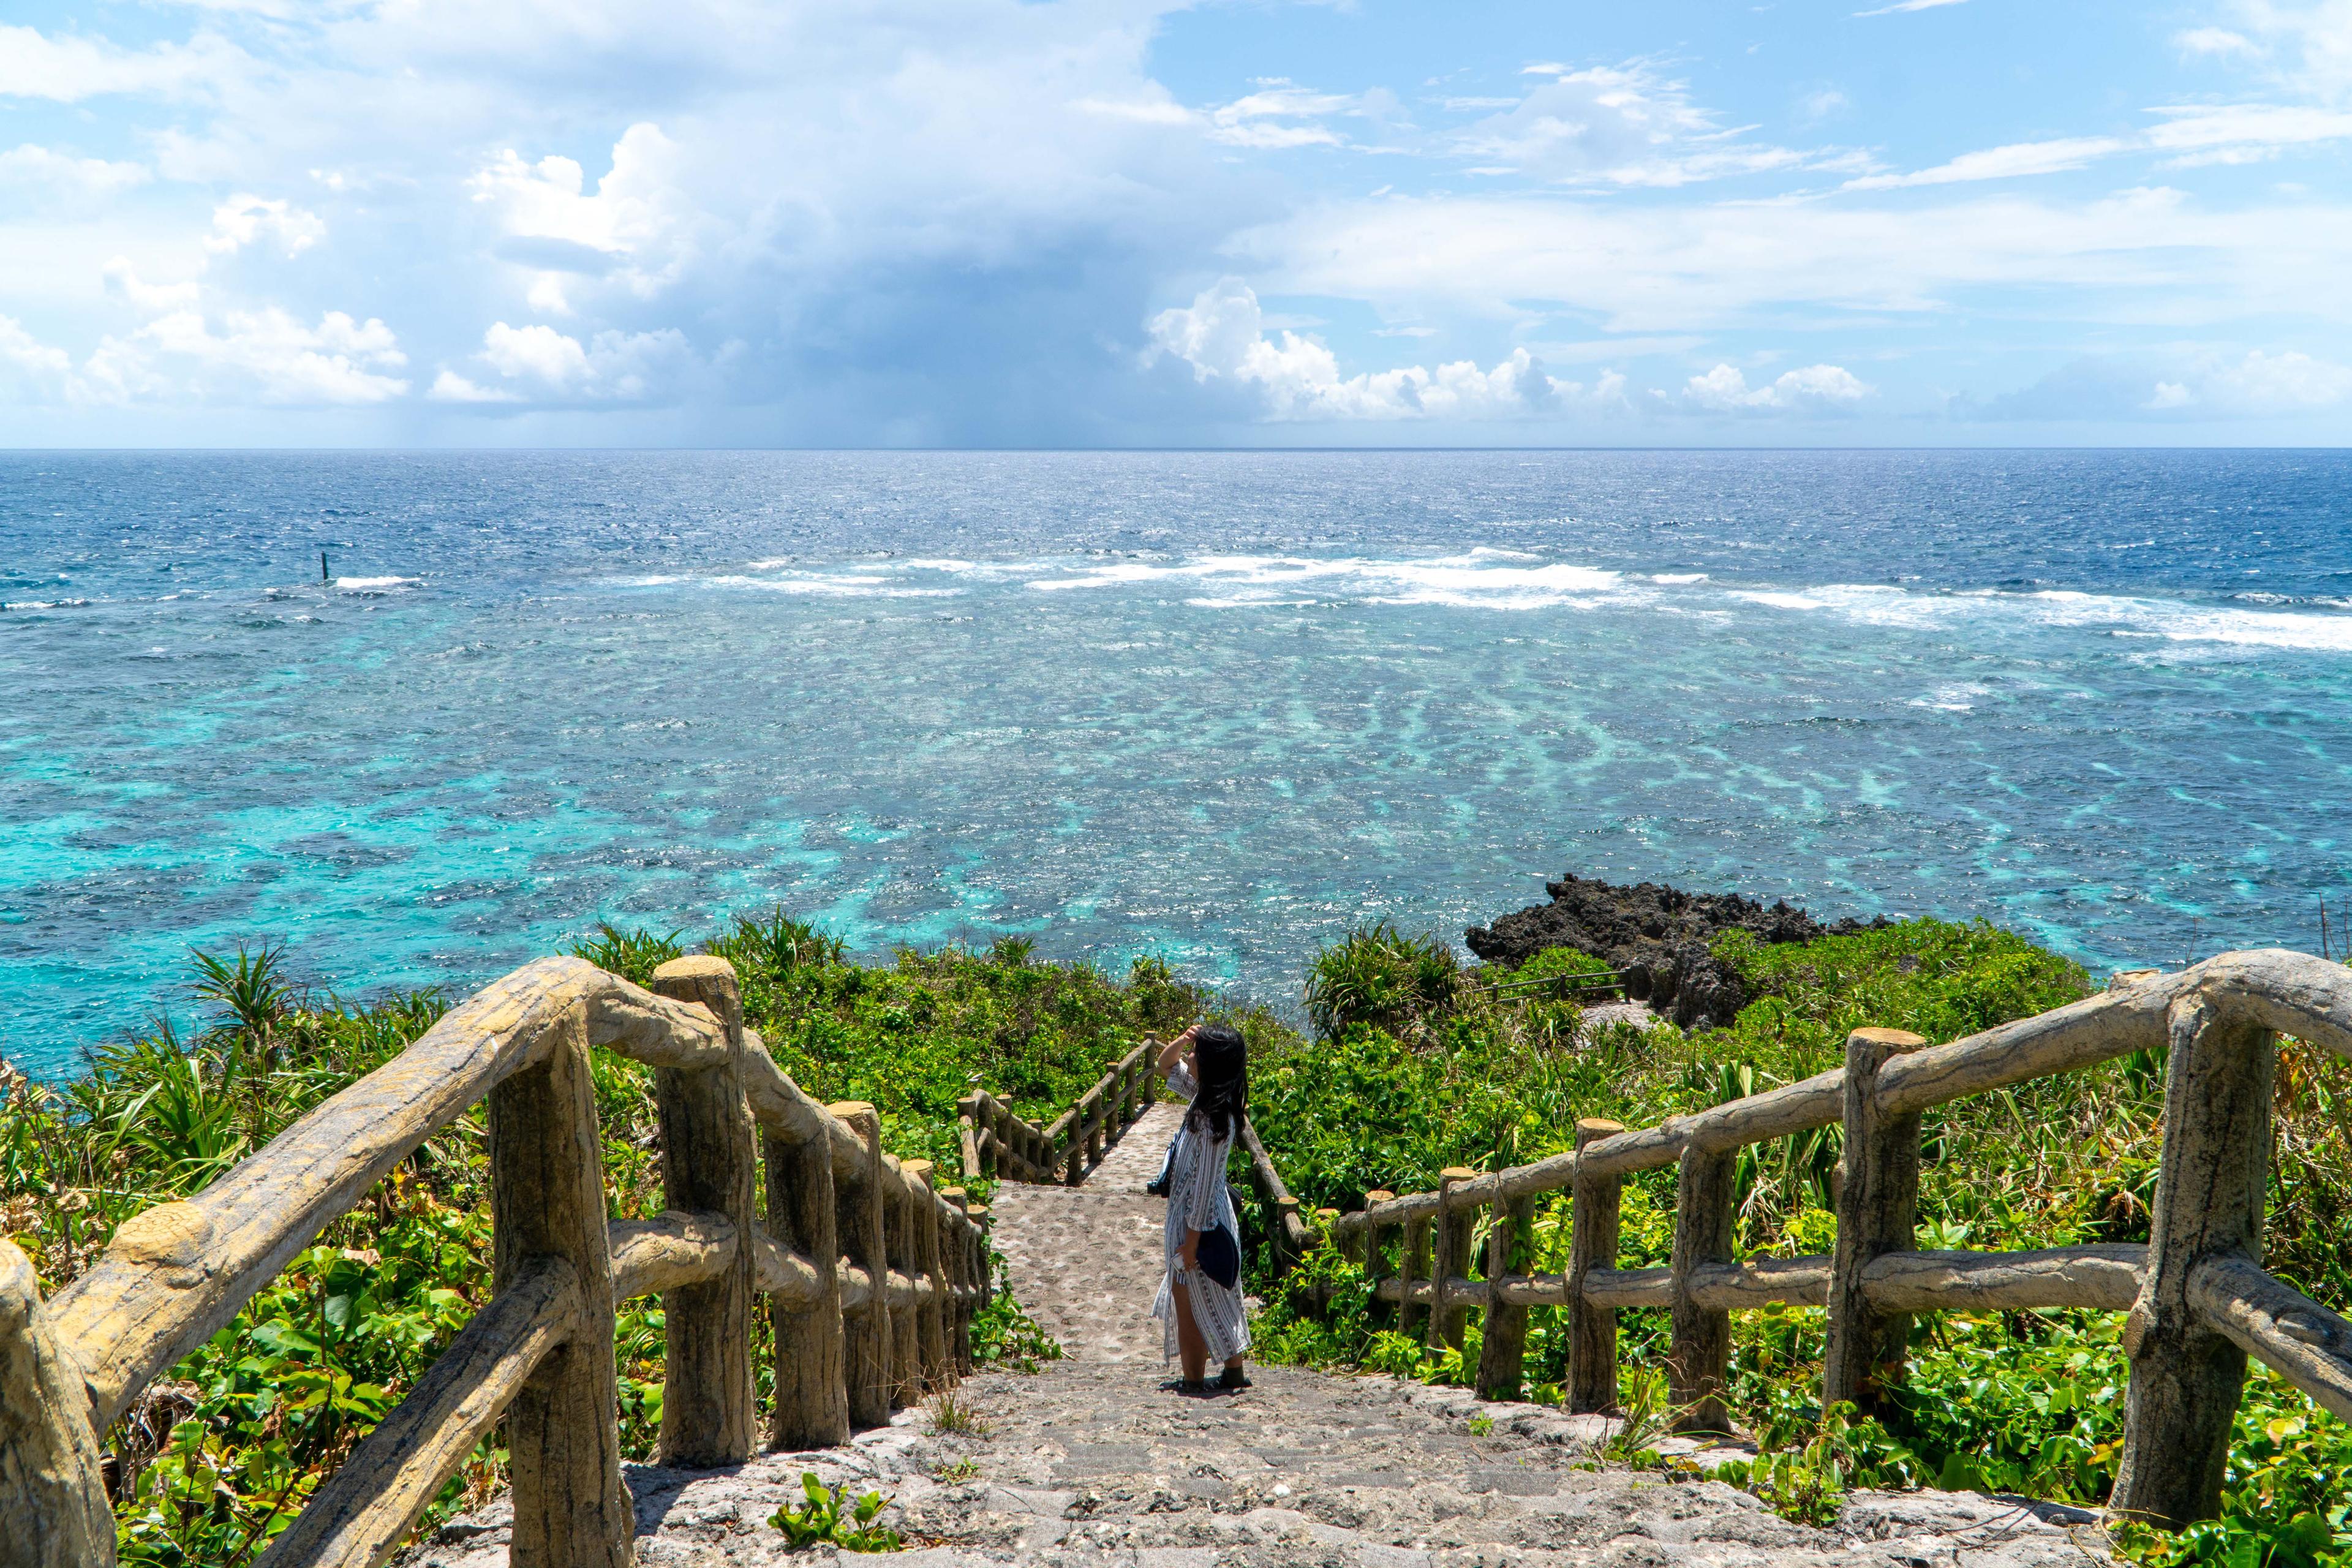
(1198, 1200)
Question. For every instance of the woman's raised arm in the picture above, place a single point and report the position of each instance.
(1174, 1049)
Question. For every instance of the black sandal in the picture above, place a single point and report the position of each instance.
(1192, 1388)
(1232, 1380)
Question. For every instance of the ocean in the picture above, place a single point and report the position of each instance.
(1215, 707)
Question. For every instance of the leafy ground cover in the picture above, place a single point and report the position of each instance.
(222, 1453)
(1417, 1065)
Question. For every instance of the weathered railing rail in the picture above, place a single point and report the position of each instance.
(870, 1276)
(997, 1144)
(2197, 1299)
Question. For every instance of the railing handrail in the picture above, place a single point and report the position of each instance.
(2200, 1277)
(997, 1142)
(855, 1335)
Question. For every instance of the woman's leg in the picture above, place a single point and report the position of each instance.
(1191, 1346)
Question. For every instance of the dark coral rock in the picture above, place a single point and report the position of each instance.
(1659, 937)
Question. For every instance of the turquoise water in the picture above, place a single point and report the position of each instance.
(1210, 706)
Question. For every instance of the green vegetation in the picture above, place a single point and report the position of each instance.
(830, 1519)
(1415, 1064)
(222, 1454)
(1412, 1075)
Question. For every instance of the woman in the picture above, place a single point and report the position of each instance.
(1204, 1318)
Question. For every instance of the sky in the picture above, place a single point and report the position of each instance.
(979, 223)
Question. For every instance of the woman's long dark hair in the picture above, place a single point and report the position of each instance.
(1222, 1064)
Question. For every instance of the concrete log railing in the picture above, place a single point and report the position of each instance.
(870, 1275)
(2197, 1299)
(999, 1145)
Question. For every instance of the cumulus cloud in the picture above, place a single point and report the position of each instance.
(540, 363)
(639, 220)
(1817, 389)
(278, 359)
(245, 219)
(1221, 333)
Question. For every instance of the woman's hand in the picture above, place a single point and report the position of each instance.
(1189, 1249)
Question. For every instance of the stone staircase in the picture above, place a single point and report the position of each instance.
(1089, 1462)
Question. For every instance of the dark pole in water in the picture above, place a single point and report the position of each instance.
(322, 568)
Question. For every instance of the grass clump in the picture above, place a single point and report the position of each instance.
(830, 1518)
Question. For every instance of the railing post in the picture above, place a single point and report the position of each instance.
(2186, 1378)
(52, 1489)
(955, 1242)
(1414, 1267)
(1073, 1149)
(931, 1320)
(1878, 1213)
(547, 1199)
(1376, 1258)
(898, 1249)
(968, 1136)
(1502, 1337)
(1288, 1229)
(1699, 1359)
(866, 1331)
(710, 1163)
(804, 1215)
(1448, 1320)
(1592, 1244)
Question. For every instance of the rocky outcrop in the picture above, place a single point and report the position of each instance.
(1660, 937)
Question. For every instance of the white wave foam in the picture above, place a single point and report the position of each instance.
(364, 582)
(1470, 582)
(2114, 614)
(837, 586)
(1678, 579)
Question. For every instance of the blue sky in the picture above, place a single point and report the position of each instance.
(1116, 221)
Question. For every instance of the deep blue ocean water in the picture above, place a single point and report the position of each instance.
(1211, 706)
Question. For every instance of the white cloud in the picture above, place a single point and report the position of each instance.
(245, 218)
(2258, 385)
(2144, 257)
(1221, 333)
(638, 220)
(1279, 114)
(1816, 388)
(2000, 164)
(2306, 46)
(2188, 134)
(451, 387)
(278, 359)
(41, 171)
(35, 366)
(611, 366)
(151, 298)
(1903, 5)
(70, 68)
(1625, 126)
(2214, 41)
